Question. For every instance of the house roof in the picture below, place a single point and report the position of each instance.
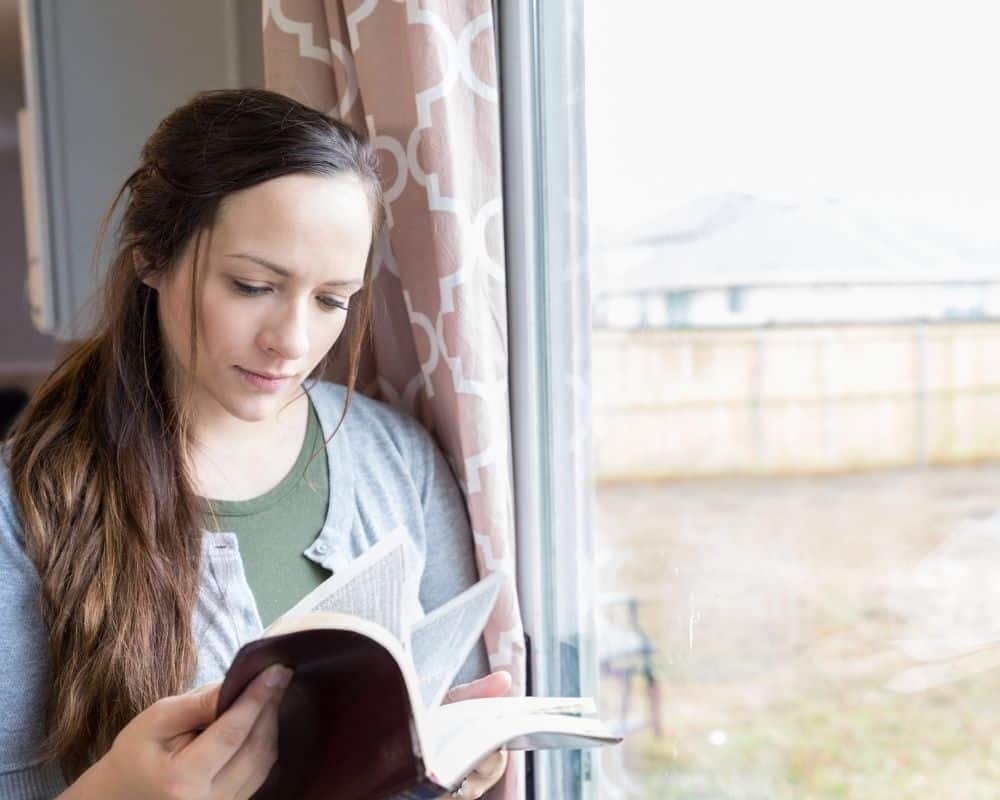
(740, 239)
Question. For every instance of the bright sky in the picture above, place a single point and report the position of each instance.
(887, 102)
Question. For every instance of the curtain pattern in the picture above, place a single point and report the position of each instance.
(420, 77)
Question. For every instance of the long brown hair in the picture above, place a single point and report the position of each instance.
(111, 519)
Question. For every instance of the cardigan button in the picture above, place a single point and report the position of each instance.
(321, 548)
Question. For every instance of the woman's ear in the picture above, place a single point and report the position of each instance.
(141, 266)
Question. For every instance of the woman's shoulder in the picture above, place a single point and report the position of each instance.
(23, 661)
(369, 421)
(11, 535)
(19, 575)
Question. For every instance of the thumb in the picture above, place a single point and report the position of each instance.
(496, 684)
(182, 713)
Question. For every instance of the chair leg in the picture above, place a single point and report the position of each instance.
(653, 693)
(626, 676)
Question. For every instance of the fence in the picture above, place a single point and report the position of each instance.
(688, 403)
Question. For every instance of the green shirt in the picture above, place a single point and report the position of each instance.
(274, 529)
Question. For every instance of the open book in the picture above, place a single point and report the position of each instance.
(362, 718)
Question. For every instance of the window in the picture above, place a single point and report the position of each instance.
(756, 378)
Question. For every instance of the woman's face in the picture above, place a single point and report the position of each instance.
(275, 275)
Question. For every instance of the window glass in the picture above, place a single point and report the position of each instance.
(794, 263)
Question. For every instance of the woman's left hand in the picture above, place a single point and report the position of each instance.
(490, 769)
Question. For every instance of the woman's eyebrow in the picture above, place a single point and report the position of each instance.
(284, 271)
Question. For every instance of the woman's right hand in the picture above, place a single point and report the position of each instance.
(177, 750)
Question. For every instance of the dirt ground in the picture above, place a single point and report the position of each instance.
(816, 637)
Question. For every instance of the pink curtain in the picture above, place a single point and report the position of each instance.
(420, 77)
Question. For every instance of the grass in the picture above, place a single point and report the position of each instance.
(860, 744)
(774, 628)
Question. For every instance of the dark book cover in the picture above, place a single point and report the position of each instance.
(345, 723)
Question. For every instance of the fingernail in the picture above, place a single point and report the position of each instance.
(277, 676)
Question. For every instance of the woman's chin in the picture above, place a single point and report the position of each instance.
(251, 407)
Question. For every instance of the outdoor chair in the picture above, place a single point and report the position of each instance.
(626, 652)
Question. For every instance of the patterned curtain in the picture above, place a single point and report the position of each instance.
(420, 76)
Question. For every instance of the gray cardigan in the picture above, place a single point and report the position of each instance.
(385, 470)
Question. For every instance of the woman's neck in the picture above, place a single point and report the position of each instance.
(232, 459)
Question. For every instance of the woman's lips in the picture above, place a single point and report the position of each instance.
(264, 381)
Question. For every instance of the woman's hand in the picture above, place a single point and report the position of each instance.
(177, 750)
(490, 769)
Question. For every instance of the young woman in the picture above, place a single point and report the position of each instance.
(182, 476)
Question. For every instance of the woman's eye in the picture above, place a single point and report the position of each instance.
(249, 290)
(332, 303)
(327, 302)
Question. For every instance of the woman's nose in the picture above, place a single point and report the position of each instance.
(288, 334)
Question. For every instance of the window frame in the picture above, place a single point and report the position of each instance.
(548, 297)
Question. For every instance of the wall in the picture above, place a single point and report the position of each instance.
(104, 75)
(25, 354)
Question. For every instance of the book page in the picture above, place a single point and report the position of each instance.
(379, 586)
(442, 640)
(459, 750)
(449, 720)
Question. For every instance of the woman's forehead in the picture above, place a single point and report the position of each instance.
(299, 223)
(299, 200)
